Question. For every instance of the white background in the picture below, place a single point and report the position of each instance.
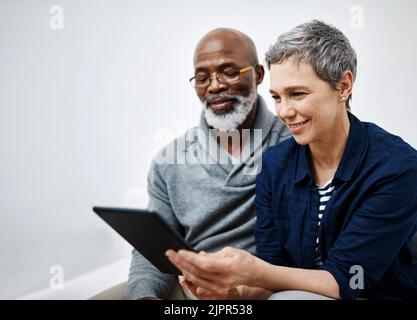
(84, 109)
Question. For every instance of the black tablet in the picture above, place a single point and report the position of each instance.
(147, 233)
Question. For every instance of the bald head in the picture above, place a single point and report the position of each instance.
(227, 41)
(229, 98)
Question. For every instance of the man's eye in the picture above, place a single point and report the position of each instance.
(231, 73)
(201, 77)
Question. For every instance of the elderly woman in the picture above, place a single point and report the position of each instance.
(336, 204)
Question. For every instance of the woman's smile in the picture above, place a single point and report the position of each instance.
(297, 127)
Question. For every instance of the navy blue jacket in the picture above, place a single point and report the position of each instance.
(368, 222)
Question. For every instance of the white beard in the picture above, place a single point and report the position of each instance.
(234, 118)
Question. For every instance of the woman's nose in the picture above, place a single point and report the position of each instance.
(285, 110)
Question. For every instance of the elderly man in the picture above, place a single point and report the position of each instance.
(202, 184)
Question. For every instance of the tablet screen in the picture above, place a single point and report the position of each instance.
(147, 232)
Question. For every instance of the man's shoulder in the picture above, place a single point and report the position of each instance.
(279, 126)
(170, 160)
(178, 146)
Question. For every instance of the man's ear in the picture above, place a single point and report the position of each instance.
(260, 72)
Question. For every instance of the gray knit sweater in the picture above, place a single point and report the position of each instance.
(210, 203)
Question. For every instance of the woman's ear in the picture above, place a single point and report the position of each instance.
(346, 84)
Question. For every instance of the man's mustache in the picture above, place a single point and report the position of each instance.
(215, 97)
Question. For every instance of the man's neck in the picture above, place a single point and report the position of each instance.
(234, 146)
(250, 119)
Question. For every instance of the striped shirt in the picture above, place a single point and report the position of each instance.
(325, 193)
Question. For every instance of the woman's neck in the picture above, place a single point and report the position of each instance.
(327, 152)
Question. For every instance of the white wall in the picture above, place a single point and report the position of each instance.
(83, 109)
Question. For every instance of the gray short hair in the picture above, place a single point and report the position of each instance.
(325, 47)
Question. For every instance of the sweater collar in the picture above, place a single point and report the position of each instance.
(264, 121)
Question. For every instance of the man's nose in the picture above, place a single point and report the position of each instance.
(215, 86)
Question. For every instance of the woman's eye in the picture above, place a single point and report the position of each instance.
(298, 94)
(276, 98)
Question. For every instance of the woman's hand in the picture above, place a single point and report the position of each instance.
(219, 272)
(205, 294)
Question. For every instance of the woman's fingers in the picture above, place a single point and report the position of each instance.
(207, 284)
(183, 263)
(207, 262)
(199, 267)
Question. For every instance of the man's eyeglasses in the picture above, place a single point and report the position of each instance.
(228, 75)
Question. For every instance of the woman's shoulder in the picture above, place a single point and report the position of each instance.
(281, 157)
(384, 140)
(282, 149)
(389, 149)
